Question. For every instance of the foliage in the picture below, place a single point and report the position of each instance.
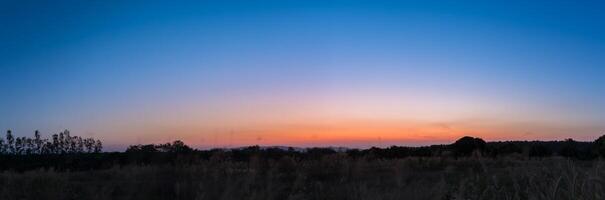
(467, 145)
(176, 147)
(62, 143)
(540, 151)
(599, 146)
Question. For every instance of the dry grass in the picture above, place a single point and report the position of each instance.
(332, 177)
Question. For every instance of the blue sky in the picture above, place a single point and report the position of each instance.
(135, 71)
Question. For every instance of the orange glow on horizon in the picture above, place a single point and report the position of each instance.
(349, 133)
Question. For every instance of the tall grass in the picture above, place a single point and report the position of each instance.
(331, 177)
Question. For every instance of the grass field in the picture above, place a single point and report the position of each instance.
(330, 177)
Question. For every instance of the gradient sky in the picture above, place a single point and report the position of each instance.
(303, 73)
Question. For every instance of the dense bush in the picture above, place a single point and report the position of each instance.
(599, 146)
(467, 145)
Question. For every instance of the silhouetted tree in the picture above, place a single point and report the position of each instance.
(47, 148)
(599, 146)
(467, 145)
(18, 146)
(148, 148)
(176, 147)
(2, 146)
(569, 149)
(80, 144)
(61, 144)
(89, 144)
(180, 147)
(29, 146)
(54, 148)
(37, 142)
(98, 146)
(10, 142)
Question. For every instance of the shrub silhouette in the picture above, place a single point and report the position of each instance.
(148, 148)
(599, 146)
(569, 148)
(467, 145)
(504, 148)
(538, 150)
(174, 147)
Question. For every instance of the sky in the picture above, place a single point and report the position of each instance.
(303, 73)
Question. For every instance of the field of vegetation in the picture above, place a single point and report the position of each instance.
(467, 169)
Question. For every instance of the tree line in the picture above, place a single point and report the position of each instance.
(62, 143)
(174, 147)
(65, 152)
(463, 147)
(567, 148)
